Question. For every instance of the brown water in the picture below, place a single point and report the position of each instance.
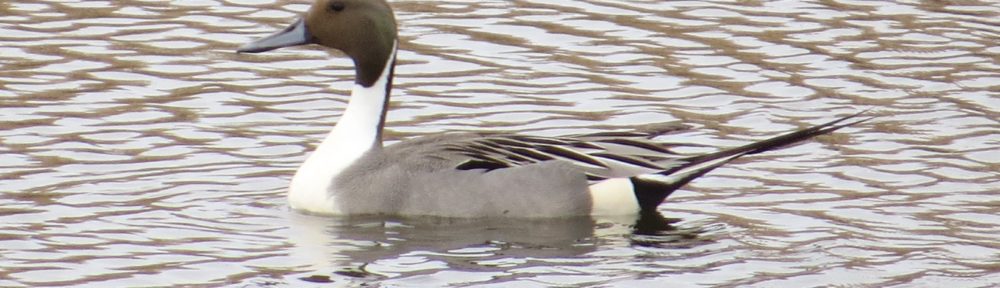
(137, 149)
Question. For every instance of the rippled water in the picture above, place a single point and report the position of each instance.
(138, 149)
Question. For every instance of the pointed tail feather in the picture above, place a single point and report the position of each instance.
(782, 140)
(650, 190)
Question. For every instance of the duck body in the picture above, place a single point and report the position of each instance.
(430, 180)
(474, 174)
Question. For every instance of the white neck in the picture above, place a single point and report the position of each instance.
(356, 133)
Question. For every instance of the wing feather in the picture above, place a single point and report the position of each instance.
(600, 155)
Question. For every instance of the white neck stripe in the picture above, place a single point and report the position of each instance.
(356, 133)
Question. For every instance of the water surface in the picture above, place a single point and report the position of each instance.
(138, 149)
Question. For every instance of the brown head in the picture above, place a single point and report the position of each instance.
(364, 30)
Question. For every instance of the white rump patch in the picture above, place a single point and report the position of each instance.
(614, 196)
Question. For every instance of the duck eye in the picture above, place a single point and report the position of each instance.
(336, 6)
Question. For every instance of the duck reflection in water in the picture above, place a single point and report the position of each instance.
(361, 247)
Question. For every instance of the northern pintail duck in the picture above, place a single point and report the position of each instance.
(472, 174)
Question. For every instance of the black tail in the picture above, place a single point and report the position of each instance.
(651, 190)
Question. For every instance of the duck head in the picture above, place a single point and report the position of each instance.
(365, 30)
